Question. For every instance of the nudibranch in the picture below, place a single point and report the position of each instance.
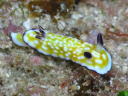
(93, 56)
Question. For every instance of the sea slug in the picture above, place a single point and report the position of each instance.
(93, 56)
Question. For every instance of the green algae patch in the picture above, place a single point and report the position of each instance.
(123, 93)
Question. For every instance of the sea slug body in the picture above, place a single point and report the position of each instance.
(17, 39)
(94, 57)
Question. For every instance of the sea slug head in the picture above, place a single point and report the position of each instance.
(96, 57)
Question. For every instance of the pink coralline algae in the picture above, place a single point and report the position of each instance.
(36, 60)
(12, 28)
